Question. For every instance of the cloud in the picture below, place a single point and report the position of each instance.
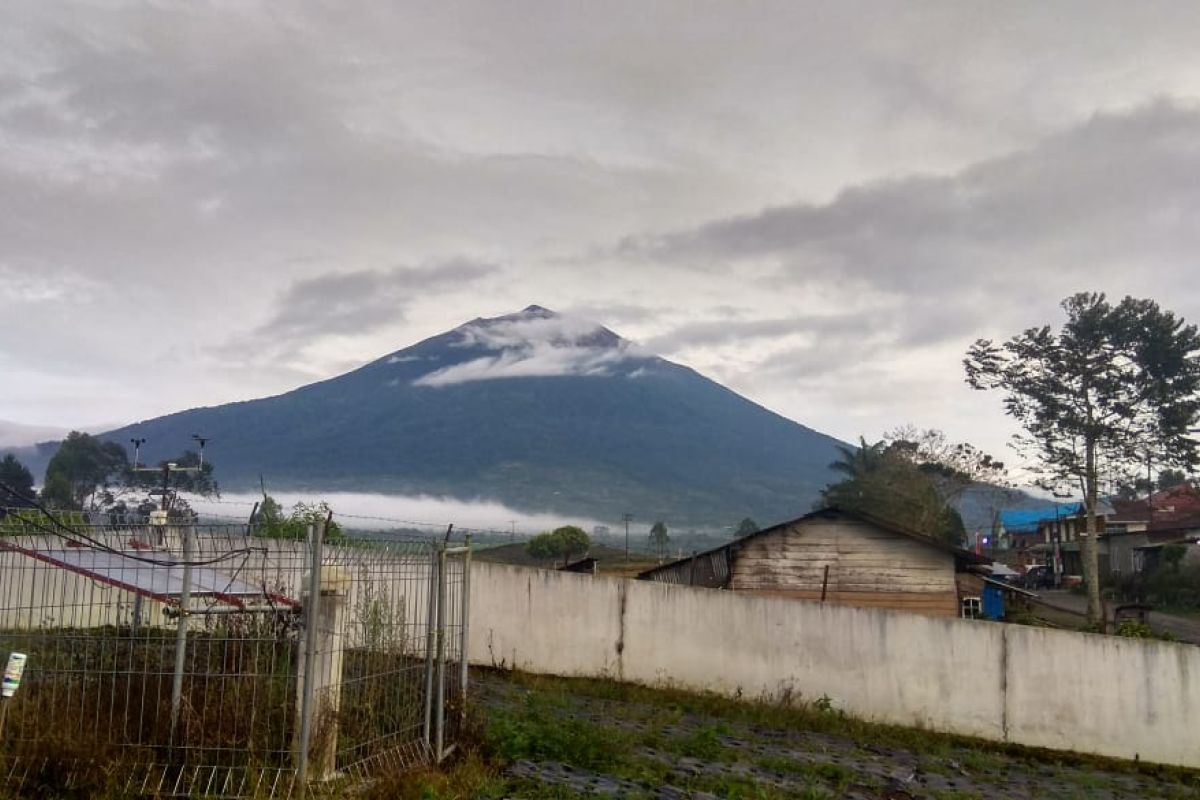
(937, 254)
(19, 286)
(358, 302)
(534, 346)
(860, 189)
(723, 330)
(348, 304)
(363, 512)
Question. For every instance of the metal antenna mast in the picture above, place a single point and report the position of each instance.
(137, 451)
(627, 517)
(203, 440)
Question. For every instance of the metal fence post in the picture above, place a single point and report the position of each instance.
(440, 711)
(464, 638)
(311, 609)
(430, 639)
(185, 596)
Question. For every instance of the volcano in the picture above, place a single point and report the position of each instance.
(536, 410)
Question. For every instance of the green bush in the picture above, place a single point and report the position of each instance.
(270, 524)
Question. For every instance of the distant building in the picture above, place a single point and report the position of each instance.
(1130, 532)
(1137, 530)
(838, 556)
(600, 530)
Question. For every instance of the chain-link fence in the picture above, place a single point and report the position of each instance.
(186, 660)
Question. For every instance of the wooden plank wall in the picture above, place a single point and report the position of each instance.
(868, 566)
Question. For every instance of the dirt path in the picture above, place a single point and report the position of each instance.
(1181, 628)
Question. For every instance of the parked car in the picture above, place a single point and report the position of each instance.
(1038, 577)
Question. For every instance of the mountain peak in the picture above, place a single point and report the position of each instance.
(535, 410)
(533, 342)
(532, 312)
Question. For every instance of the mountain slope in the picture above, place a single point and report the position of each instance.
(538, 411)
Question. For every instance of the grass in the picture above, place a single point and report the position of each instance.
(648, 738)
(611, 559)
(95, 710)
(635, 734)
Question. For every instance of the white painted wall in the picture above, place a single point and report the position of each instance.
(1056, 689)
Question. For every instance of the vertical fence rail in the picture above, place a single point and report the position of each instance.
(208, 661)
(440, 701)
(464, 634)
(312, 603)
(431, 626)
(181, 628)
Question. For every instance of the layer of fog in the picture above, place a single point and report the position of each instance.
(380, 511)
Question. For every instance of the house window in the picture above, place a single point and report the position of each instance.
(972, 608)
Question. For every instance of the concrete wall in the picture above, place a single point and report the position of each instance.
(1071, 691)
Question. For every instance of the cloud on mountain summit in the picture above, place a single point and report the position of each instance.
(534, 346)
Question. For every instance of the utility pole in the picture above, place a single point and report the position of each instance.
(512, 536)
(627, 517)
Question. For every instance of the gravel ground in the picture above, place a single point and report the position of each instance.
(669, 751)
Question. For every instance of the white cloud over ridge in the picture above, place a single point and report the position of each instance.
(526, 346)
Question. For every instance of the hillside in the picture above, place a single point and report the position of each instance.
(538, 411)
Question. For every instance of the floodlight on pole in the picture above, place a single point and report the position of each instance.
(203, 440)
(137, 451)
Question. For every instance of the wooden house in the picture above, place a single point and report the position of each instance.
(837, 556)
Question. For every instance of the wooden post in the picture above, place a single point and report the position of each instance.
(825, 583)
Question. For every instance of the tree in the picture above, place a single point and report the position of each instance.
(659, 537)
(953, 466)
(1134, 489)
(83, 467)
(544, 547)
(560, 542)
(1170, 478)
(886, 483)
(746, 527)
(955, 469)
(574, 540)
(201, 482)
(1114, 386)
(269, 510)
(295, 525)
(857, 462)
(17, 477)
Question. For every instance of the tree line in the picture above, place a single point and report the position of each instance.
(87, 473)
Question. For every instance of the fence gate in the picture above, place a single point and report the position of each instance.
(184, 660)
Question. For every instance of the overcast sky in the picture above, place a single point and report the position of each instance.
(818, 204)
